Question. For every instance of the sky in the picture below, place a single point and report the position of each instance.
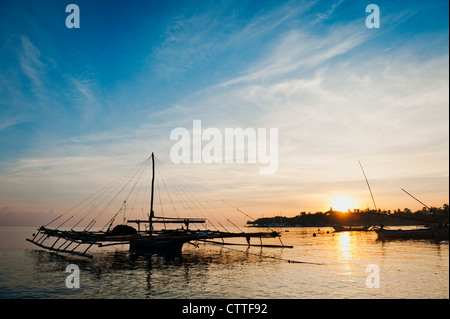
(80, 106)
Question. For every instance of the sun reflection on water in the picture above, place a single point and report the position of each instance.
(345, 248)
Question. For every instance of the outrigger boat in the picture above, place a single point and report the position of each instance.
(435, 231)
(150, 239)
(432, 232)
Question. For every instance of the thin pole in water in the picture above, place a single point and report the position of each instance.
(416, 199)
(368, 186)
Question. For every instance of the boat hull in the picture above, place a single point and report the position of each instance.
(437, 234)
(157, 246)
(350, 228)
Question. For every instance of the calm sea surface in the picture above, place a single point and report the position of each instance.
(407, 269)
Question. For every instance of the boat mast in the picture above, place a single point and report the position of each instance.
(367, 182)
(373, 199)
(416, 199)
(151, 199)
(431, 210)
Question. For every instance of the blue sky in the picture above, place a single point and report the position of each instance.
(102, 97)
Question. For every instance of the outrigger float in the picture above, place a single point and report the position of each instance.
(167, 241)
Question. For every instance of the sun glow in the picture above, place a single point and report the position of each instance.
(343, 203)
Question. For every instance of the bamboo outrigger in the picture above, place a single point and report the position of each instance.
(78, 242)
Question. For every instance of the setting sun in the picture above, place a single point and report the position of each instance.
(343, 203)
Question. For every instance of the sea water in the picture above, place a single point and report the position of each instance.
(328, 265)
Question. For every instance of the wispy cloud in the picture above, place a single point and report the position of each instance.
(302, 51)
(193, 38)
(326, 15)
(7, 122)
(31, 64)
(84, 98)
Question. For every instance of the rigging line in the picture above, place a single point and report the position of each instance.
(247, 215)
(114, 185)
(208, 191)
(109, 203)
(157, 180)
(136, 196)
(88, 211)
(160, 202)
(186, 194)
(167, 191)
(186, 205)
(215, 208)
(222, 216)
(265, 256)
(180, 194)
(111, 221)
(215, 219)
(182, 177)
(183, 190)
(197, 208)
(97, 193)
(114, 198)
(208, 211)
(162, 179)
(129, 193)
(243, 213)
(146, 195)
(232, 223)
(93, 195)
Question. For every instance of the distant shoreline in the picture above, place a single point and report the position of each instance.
(357, 217)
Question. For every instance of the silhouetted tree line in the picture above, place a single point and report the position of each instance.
(358, 217)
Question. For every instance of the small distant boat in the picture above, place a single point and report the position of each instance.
(352, 228)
